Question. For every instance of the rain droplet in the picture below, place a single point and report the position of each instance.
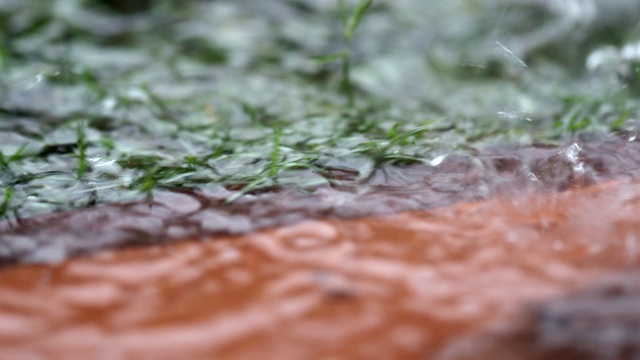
(631, 51)
(37, 80)
(632, 127)
(437, 160)
(532, 177)
(515, 115)
(138, 94)
(109, 104)
(571, 153)
(604, 58)
(511, 56)
(100, 161)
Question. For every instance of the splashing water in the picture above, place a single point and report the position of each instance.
(572, 154)
(632, 126)
(515, 115)
(437, 160)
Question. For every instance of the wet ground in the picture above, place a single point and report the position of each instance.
(190, 179)
(175, 215)
(99, 106)
(458, 282)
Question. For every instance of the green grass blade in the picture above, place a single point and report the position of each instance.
(6, 200)
(275, 153)
(81, 144)
(347, 86)
(413, 132)
(18, 154)
(251, 112)
(619, 121)
(344, 12)
(330, 57)
(356, 17)
(247, 188)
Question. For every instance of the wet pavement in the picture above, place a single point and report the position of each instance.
(431, 284)
(597, 322)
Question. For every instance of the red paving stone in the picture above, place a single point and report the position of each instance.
(469, 281)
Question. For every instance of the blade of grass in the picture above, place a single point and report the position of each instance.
(251, 112)
(148, 182)
(250, 186)
(4, 161)
(6, 200)
(347, 86)
(355, 18)
(18, 154)
(330, 57)
(413, 132)
(275, 153)
(617, 123)
(82, 147)
(344, 13)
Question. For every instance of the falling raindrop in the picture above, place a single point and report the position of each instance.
(138, 94)
(605, 58)
(632, 127)
(510, 56)
(437, 160)
(109, 104)
(36, 80)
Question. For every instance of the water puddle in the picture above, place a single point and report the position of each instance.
(410, 285)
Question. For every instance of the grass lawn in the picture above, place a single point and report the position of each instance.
(98, 106)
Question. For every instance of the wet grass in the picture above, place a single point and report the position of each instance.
(350, 21)
(5, 206)
(127, 110)
(81, 146)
